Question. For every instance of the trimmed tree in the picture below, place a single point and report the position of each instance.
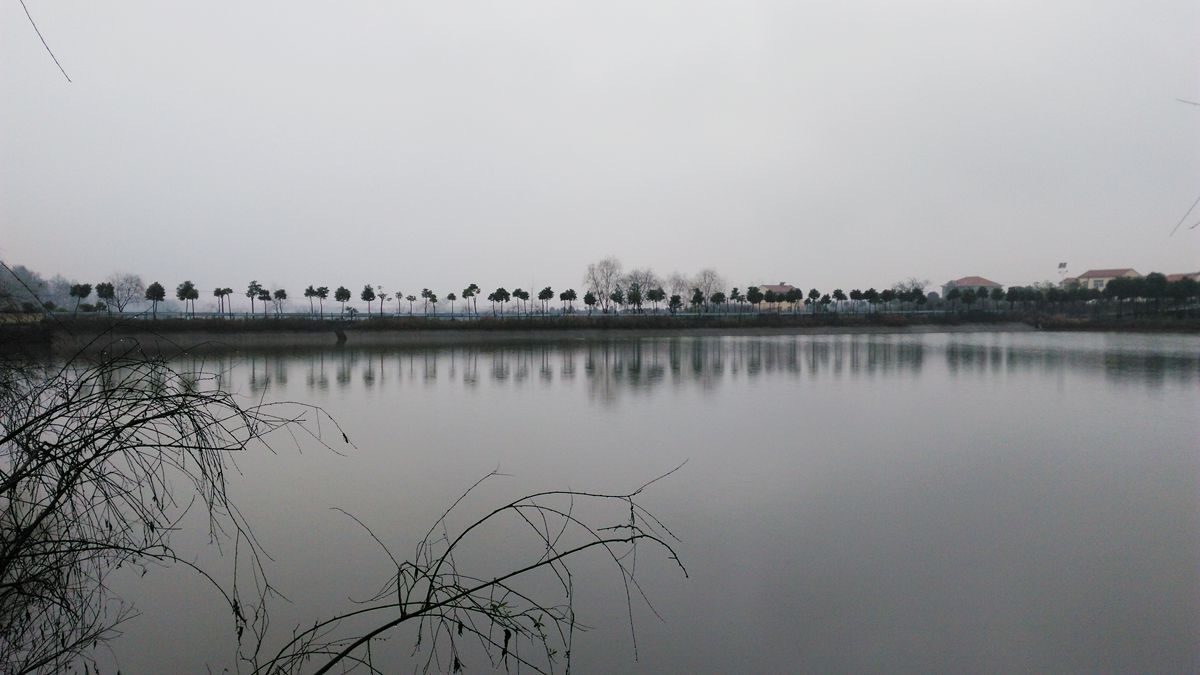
(105, 292)
(499, 296)
(253, 290)
(754, 296)
(185, 293)
(969, 297)
(382, 297)
(322, 294)
(839, 295)
(717, 299)
(656, 295)
(342, 295)
(568, 298)
(887, 295)
(264, 297)
(155, 293)
(79, 292)
(736, 297)
(471, 296)
(954, 295)
(795, 296)
(633, 296)
(521, 295)
(617, 297)
(871, 296)
(310, 293)
(368, 296)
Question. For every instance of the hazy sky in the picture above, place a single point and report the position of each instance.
(510, 143)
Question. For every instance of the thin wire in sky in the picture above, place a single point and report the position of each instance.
(1193, 206)
(1185, 215)
(39, 34)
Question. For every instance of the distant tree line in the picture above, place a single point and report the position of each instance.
(1152, 292)
(608, 289)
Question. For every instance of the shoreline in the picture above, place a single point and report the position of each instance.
(200, 341)
(196, 336)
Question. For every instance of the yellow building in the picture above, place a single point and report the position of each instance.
(1098, 279)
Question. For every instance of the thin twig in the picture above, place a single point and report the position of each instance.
(43, 39)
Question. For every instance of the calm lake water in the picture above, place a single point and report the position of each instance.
(977, 502)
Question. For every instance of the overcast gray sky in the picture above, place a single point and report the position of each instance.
(434, 144)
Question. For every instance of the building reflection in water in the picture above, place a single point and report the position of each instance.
(1117, 366)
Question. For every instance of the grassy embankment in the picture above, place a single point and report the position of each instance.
(1139, 324)
(217, 326)
(66, 332)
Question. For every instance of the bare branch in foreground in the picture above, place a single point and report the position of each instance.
(100, 461)
(492, 617)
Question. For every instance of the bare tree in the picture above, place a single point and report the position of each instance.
(678, 284)
(644, 278)
(911, 284)
(127, 288)
(99, 463)
(709, 282)
(603, 277)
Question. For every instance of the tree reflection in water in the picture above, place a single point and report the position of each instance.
(616, 367)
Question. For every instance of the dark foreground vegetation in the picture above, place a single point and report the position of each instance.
(101, 461)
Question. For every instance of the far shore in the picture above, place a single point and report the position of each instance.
(208, 335)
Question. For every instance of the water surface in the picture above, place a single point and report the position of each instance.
(986, 502)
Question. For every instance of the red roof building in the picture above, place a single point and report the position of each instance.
(974, 283)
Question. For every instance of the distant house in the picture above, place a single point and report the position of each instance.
(779, 288)
(1183, 275)
(1098, 279)
(976, 284)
